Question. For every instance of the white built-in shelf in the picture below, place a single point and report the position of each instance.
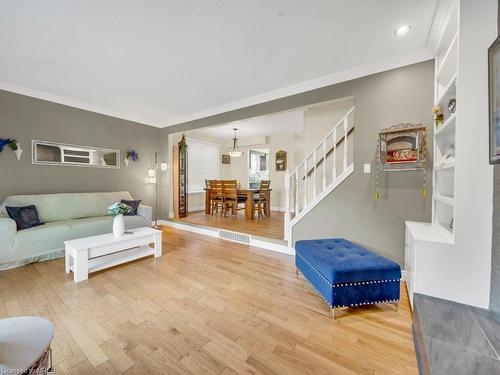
(444, 199)
(448, 127)
(445, 166)
(448, 68)
(430, 232)
(450, 91)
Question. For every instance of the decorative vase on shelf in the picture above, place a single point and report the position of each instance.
(118, 225)
(126, 161)
(18, 151)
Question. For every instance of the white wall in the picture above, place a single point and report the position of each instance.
(318, 121)
(238, 169)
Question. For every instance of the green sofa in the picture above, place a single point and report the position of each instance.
(66, 216)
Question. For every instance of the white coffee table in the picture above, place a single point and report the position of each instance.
(92, 254)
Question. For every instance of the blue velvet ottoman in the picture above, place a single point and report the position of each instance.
(346, 274)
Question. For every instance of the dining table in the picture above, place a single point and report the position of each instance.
(249, 202)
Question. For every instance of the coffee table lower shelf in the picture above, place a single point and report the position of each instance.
(115, 259)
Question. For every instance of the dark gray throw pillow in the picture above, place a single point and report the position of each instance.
(25, 217)
(134, 205)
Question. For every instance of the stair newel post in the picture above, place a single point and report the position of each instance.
(297, 191)
(288, 184)
(334, 172)
(324, 165)
(305, 183)
(345, 144)
(314, 174)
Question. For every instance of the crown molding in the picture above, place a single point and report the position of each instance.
(331, 79)
(73, 103)
(343, 76)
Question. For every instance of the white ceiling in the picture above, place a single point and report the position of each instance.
(278, 123)
(163, 62)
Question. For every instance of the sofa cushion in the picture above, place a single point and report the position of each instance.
(25, 217)
(339, 260)
(133, 204)
(67, 206)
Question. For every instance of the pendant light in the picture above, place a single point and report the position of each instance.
(235, 152)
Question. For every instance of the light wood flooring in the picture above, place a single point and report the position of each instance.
(271, 227)
(207, 306)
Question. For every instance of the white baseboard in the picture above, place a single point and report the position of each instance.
(404, 275)
(278, 208)
(255, 242)
(196, 208)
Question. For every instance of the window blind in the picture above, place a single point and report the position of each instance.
(204, 164)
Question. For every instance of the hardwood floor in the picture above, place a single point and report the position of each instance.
(207, 306)
(271, 227)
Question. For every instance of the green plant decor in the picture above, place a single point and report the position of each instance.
(119, 208)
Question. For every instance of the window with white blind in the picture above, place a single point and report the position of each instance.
(203, 164)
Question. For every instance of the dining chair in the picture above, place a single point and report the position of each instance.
(231, 198)
(216, 196)
(260, 199)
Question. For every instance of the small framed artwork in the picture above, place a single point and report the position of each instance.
(281, 161)
(494, 100)
(226, 159)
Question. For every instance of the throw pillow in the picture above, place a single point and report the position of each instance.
(134, 205)
(25, 217)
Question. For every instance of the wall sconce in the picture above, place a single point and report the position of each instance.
(152, 175)
(163, 166)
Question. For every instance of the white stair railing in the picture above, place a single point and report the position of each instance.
(302, 180)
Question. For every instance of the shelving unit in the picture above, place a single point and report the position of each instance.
(428, 242)
(444, 136)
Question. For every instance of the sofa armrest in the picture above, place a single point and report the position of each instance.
(8, 230)
(146, 212)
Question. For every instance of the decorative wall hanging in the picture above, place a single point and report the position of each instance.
(13, 145)
(226, 159)
(180, 178)
(280, 161)
(130, 155)
(402, 147)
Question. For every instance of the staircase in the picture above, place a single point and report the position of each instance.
(325, 168)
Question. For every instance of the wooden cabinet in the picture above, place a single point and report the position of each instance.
(180, 178)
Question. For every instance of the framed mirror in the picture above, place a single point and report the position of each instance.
(63, 154)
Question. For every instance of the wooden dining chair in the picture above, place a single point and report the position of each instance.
(216, 195)
(260, 199)
(231, 199)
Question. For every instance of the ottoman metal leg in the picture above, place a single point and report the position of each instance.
(333, 313)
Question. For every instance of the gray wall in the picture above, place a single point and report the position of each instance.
(25, 118)
(400, 95)
(382, 100)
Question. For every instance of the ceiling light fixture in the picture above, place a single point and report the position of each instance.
(402, 30)
(235, 152)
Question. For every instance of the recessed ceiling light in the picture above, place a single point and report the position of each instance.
(402, 30)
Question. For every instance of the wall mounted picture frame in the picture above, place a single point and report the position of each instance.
(280, 161)
(226, 159)
(494, 100)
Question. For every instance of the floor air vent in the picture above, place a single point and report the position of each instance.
(234, 236)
